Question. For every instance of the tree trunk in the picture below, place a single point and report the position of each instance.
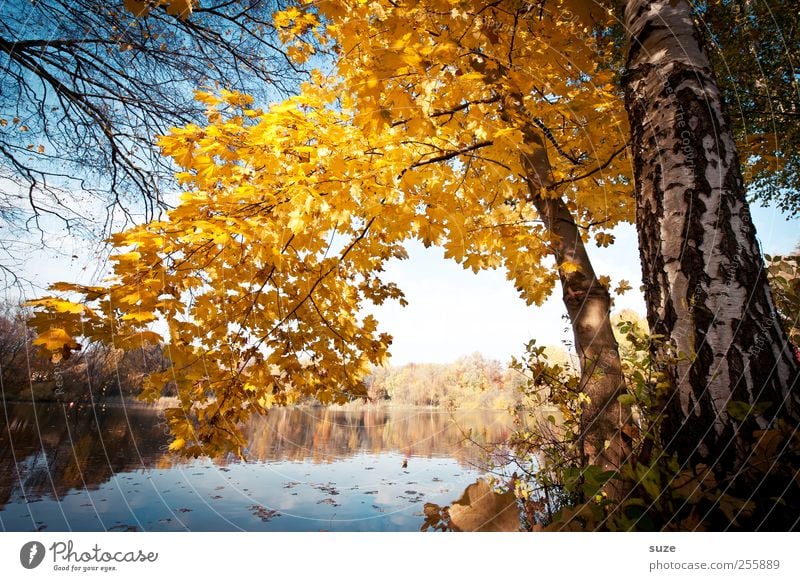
(705, 284)
(605, 423)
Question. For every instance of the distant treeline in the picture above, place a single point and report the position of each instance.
(469, 382)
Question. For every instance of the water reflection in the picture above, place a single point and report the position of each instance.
(105, 468)
(51, 449)
(325, 435)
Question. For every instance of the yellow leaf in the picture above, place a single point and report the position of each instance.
(58, 305)
(139, 317)
(623, 287)
(55, 339)
(127, 257)
(266, 401)
(481, 509)
(604, 239)
(137, 7)
(177, 444)
(569, 267)
(179, 8)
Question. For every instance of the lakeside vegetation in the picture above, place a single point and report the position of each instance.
(29, 372)
(469, 382)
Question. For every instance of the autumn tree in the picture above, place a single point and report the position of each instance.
(706, 284)
(754, 49)
(87, 84)
(468, 383)
(471, 131)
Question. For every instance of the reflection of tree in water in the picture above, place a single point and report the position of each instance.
(324, 435)
(48, 450)
(58, 448)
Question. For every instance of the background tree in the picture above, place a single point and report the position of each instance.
(87, 85)
(784, 279)
(96, 372)
(754, 49)
(15, 340)
(705, 283)
(467, 383)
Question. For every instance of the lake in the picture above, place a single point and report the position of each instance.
(85, 468)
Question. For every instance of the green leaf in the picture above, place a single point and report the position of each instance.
(594, 478)
(741, 411)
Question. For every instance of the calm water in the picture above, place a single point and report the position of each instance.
(85, 469)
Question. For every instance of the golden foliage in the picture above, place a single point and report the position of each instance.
(290, 213)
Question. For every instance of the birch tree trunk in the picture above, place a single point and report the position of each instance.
(705, 283)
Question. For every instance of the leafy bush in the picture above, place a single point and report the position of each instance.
(558, 490)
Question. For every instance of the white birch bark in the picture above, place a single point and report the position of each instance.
(705, 284)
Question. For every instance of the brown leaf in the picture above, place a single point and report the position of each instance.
(481, 509)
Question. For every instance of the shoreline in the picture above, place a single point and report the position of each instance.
(167, 402)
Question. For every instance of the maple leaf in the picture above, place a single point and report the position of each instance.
(56, 339)
(622, 287)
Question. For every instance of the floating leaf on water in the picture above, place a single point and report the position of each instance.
(264, 513)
